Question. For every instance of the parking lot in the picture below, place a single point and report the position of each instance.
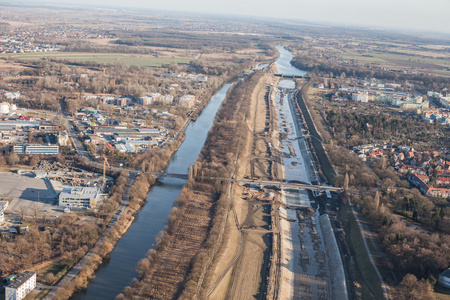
(27, 196)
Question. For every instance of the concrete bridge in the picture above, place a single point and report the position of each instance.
(262, 183)
(287, 75)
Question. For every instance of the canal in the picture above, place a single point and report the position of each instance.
(119, 269)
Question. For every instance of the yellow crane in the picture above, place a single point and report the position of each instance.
(105, 162)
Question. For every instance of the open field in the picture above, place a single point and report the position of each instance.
(103, 58)
(363, 58)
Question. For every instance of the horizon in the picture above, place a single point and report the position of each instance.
(402, 15)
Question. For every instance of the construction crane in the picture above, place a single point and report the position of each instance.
(105, 162)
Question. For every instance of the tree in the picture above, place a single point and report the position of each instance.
(346, 182)
(143, 266)
(376, 200)
(411, 288)
(22, 210)
(13, 158)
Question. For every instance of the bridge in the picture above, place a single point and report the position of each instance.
(261, 183)
(171, 175)
(287, 75)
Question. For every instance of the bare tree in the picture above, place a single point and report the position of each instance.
(22, 210)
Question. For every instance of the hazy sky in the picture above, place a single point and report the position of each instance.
(423, 15)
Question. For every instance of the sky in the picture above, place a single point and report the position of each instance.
(412, 15)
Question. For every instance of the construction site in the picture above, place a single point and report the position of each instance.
(280, 244)
(36, 192)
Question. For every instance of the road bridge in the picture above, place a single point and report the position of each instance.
(287, 75)
(261, 183)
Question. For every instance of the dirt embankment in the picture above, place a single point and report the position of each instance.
(178, 267)
(243, 265)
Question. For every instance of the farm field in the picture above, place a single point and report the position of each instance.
(103, 58)
(396, 58)
(363, 58)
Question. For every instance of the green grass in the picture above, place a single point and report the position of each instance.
(364, 58)
(370, 283)
(103, 58)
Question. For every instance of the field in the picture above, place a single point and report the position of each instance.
(425, 61)
(103, 58)
(363, 58)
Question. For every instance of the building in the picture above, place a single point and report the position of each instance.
(145, 100)
(126, 148)
(36, 149)
(360, 97)
(18, 124)
(166, 99)
(445, 101)
(3, 206)
(441, 193)
(4, 108)
(444, 278)
(21, 286)
(84, 197)
(187, 100)
(443, 180)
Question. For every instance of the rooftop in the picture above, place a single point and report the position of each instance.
(79, 192)
(21, 279)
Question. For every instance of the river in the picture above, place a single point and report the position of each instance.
(310, 259)
(118, 271)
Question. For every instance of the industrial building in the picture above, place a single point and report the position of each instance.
(18, 124)
(82, 197)
(36, 149)
(21, 286)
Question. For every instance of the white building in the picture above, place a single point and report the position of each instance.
(21, 286)
(445, 101)
(360, 97)
(84, 197)
(187, 100)
(36, 149)
(126, 148)
(145, 100)
(166, 99)
(4, 108)
(149, 99)
(3, 206)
